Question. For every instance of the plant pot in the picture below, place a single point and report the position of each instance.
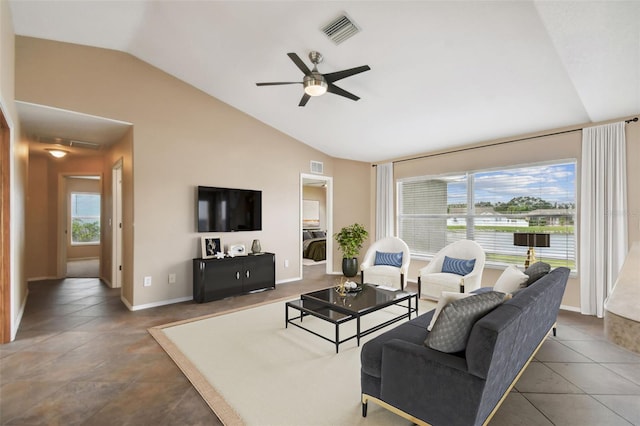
(350, 266)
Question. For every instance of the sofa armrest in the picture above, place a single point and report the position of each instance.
(427, 383)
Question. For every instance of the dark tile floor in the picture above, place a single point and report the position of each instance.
(82, 358)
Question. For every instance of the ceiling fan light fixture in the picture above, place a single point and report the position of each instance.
(58, 153)
(315, 87)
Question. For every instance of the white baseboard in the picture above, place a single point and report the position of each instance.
(16, 324)
(42, 278)
(288, 280)
(155, 304)
(569, 308)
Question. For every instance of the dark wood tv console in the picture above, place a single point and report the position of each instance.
(219, 278)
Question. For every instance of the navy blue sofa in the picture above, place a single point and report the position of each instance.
(423, 385)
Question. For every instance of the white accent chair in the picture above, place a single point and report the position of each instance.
(385, 274)
(432, 281)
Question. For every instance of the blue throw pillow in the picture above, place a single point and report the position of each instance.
(458, 266)
(391, 259)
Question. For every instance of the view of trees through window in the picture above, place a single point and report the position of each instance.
(489, 207)
(85, 218)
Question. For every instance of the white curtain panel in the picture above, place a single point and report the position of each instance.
(384, 200)
(603, 211)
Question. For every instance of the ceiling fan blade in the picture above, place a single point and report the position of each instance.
(304, 100)
(339, 75)
(278, 83)
(332, 88)
(296, 60)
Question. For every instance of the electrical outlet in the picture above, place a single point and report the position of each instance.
(147, 281)
(172, 278)
(286, 263)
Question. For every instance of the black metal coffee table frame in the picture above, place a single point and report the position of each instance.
(326, 306)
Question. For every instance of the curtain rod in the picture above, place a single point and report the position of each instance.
(634, 119)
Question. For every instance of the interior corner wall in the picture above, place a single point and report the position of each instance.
(184, 138)
(122, 152)
(318, 194)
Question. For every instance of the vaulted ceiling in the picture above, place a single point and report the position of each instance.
(443, 73)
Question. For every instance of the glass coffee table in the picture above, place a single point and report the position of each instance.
(330, 306)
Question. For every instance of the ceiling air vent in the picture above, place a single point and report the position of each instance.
(340, 29)
(317, 167)
(84, 144)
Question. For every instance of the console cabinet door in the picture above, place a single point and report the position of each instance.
(259, 272)
(223, 279)
(216, 279)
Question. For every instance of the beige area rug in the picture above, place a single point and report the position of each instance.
(252, 370)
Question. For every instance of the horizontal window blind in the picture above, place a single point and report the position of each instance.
(489, 207)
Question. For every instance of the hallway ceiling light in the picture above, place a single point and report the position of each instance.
(58, 153)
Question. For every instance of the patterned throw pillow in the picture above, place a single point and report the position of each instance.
(458, 266)
(446, 297)
(391, 259)
(535, 272)
(453, 326)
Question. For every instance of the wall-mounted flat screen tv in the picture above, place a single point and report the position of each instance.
(228, 210)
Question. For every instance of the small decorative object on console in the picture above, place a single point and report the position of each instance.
(237, 250)
(255, 247)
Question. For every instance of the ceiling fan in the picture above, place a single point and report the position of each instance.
(315, 83)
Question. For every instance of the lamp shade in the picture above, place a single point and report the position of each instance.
(531, 240)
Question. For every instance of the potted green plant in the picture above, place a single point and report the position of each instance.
(350, 239)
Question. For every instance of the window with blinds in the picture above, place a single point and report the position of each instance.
(489, 206)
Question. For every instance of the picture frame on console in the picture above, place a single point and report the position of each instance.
(210, 246)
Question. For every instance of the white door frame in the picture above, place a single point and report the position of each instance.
(116, 225)
(329, 213)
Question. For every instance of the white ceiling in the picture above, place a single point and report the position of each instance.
(443, 74)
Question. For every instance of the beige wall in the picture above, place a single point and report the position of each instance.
(183, 138)
(18, 173)
(352, 202)
(564, 146)
(40, 262)
(319, 194)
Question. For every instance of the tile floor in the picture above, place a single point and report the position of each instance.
(81, 358)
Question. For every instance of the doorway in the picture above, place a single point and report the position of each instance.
(316, 223)
(80, 243)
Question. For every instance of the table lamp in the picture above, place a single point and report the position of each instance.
(531, 240)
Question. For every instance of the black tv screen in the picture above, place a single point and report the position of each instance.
(228, 210)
